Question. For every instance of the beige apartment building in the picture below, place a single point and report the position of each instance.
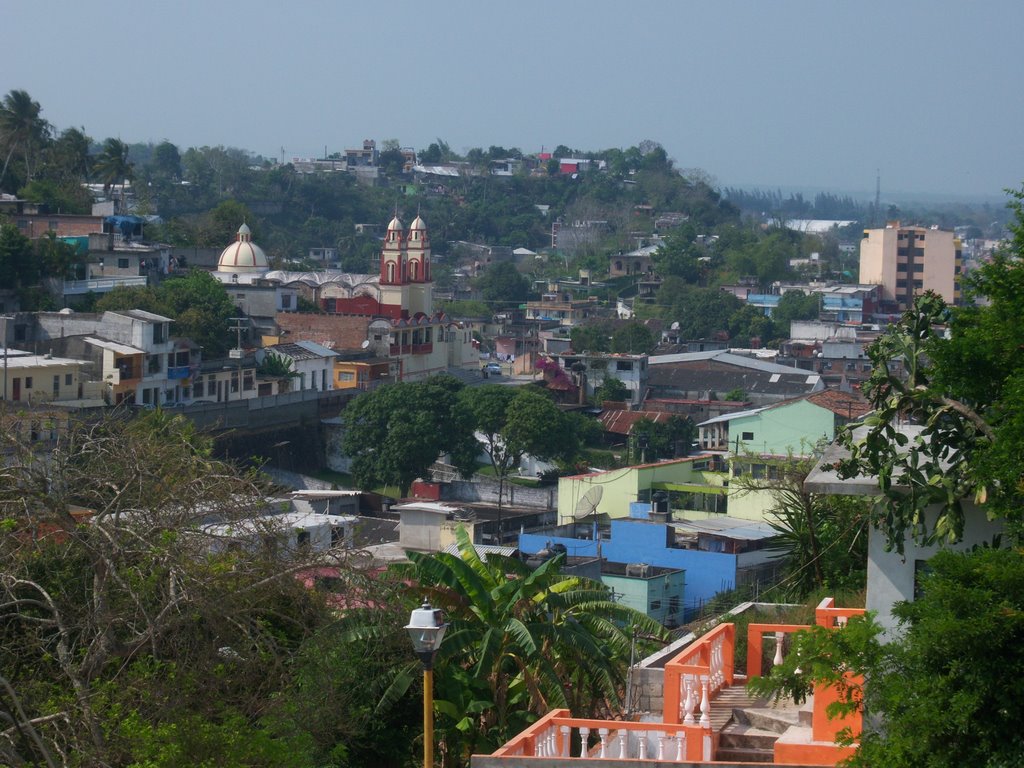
(907, 261)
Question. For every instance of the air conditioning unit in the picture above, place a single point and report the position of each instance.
(638, 570)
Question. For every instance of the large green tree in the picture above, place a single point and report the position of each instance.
(501, 284)
(197, 302)
(514, 422)
(22, 130)
(394, 433)
(113, 166)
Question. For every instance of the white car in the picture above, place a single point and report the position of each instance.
(493, 369)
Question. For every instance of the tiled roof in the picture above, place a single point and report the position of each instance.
(851, 405)
(621, 422)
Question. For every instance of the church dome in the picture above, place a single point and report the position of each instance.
(418, 224)
(395, 225)
(243, 255)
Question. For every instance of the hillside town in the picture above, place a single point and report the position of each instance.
(637, 438)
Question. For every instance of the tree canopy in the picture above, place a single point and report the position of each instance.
(128, 635)
(394, 433)
(514, 422)
(198, 303)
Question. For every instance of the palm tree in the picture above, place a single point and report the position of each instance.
(21, 128)
(113, 166)
(520, 642)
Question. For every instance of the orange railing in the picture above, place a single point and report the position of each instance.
(691, 681)
(824, 729)
(558, 735)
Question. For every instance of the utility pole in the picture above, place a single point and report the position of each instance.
(237, 351)
(5, 319)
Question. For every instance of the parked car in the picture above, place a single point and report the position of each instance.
(493, 369)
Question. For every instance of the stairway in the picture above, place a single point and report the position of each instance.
(749, 726)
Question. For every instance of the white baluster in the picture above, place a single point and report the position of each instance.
(584, 740)
(680, 746)
(549, 743)
(566, 733)
(717, 678)
(689, 705)
(779, 637)
(705, 705)
(642, 747)
(602, 734)
(662, 737)
(623, 744)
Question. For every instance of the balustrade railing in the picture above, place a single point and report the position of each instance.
(558, 735)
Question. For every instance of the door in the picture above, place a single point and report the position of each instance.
(16, 389)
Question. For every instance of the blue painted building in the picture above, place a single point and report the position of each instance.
(716, 554)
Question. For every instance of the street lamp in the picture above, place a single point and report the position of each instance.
(426, 629)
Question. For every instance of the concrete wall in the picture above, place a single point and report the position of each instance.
(891, 576)
(621, 487)
(484, 490)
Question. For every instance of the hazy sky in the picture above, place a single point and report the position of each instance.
(787, 93)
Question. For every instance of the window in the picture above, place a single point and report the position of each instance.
(122, 263)
(346, 376)
(655, 605)
(919, 283)
(623, 365)
(53, 224)
(159, 333)
(56, 386)
(919, 267)
(286, 301)
(68, 379)
(199, 387)
(28, 382)
(22, 223)
(747, 436)
(154, 363)
(901, 283)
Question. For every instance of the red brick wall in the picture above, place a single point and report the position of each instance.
(67, 226)
(357, 305)
(336, 331)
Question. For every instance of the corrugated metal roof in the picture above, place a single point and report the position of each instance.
(113, 346)
(727, 527)
(483, 550)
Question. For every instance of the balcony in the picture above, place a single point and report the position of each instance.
(179, 372)
(700, 690)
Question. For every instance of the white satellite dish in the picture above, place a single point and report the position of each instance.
(365, 344)
(675, 326)
(588, 504)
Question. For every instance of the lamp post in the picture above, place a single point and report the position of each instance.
(426, 629)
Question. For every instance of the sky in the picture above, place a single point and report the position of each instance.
(796, 94)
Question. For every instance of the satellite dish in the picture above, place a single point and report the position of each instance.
(588, 504)
(675, 326)
(365, 344)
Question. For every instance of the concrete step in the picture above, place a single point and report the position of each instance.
(767, 719)
(747, 736)
(741, 755)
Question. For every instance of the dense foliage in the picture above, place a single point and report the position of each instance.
(942, 693)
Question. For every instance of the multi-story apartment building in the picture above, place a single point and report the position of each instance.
(907, 261)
